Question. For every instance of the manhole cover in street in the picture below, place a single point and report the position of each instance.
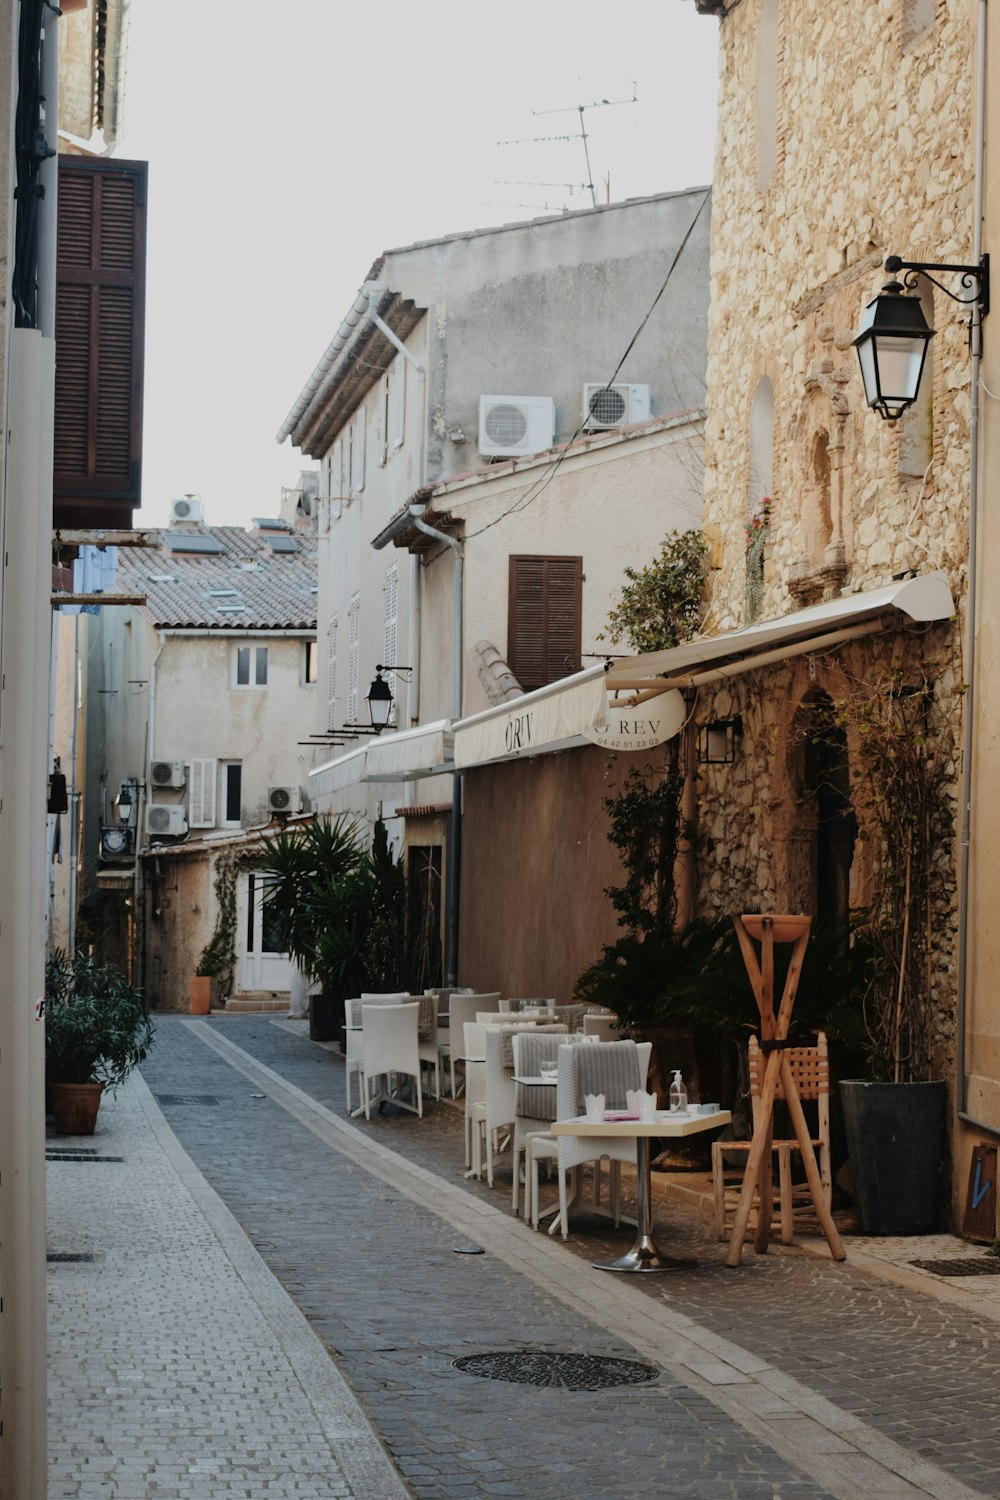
(963, 1266)
(574, 1372)
(186, 1098)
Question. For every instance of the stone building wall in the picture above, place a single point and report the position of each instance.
(845, 135)
(874, 157)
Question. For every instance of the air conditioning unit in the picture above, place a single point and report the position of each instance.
(186, 510)
(509, 425)
(283, 799)
(167, 773)
(166, 819)
(607, 406)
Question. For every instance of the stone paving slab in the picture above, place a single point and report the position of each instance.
(178, 1365)
(957, 1460)
(375, 1271)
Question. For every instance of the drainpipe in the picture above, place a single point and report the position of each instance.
(454, 828)
(968, 729)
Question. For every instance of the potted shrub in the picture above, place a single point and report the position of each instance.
(339, 912)
(894, 1119)
(97, 1028)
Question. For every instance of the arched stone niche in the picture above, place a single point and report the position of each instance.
(819, 570)
(815, 829)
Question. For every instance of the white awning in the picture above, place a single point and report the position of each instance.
(716, 657)
(550, 718)
(427, 750)
(335, 775)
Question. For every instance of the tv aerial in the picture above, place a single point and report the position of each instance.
(579, 135)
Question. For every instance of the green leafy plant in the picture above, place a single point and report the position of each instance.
(899, 794)
(758, 534)
(97, 1024)
(662, 604)
(338, 908)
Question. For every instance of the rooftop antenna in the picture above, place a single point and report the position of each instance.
(580, 135)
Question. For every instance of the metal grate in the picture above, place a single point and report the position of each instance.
(963, 1266)
(573, 1372)
(74, 1156)
(178, 1099)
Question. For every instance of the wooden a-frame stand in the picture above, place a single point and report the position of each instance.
(769, 930)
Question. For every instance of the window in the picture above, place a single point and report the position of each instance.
(767, 93)
(353, 640)
(390, 590)
(232, 788)
(384, 406)
(357, 432)
(310, 662)
(331, 672)
(251, 666)
(918, 16)
(543, 620)
(397, 413)
(201, 794)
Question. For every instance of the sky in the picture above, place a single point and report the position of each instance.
(290, 143)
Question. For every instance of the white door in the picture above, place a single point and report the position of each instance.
(265, 967)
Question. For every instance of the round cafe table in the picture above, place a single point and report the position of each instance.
(645, 1254)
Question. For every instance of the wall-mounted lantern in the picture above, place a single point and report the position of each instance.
(718, 740)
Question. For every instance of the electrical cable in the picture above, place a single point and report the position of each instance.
(542, 483)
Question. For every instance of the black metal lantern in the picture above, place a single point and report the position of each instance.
(892, 348)
(379, 700)
(123, 803)
(717, 741)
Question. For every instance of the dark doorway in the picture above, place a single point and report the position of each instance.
(826, 786)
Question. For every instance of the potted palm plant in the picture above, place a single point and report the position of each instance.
(97, 1029)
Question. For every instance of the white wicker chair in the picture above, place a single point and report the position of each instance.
(500, 1093)
(534, 1104)
(463, 1006)
(352, 1042)
(609, 1069)
(475, 1096)
(390, 1046)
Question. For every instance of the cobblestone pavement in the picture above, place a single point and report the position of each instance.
(178, 1367)
(789, 1377)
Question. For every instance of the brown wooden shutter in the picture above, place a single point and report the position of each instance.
(543, 621)
(100, 307)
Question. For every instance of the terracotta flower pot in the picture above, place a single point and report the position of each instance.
(75, 1106)
(201, 994)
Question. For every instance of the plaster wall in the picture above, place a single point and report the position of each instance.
(612, 506)
(200, 712)
(588, 279)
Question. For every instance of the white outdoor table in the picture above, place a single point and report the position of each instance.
(645, 1254)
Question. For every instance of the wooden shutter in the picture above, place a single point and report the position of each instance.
(201, 793)
(543, 620)
(100, 304)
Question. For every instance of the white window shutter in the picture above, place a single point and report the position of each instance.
(398, 402)
(331, 673)
(353, 646)
(358, 455)
(384, 408)
(201, 793)
(391, 591)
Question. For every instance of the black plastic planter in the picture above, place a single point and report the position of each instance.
(326, 1017)
(894, 1134)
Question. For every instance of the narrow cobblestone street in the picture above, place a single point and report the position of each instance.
(791, 1377)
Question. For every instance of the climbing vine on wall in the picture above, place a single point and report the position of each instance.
(218, 957)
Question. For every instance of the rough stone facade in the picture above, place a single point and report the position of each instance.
(845, 135)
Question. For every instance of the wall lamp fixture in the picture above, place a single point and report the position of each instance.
(892, 343)
(717, 741)
(379, 696)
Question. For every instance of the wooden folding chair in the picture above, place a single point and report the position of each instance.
(810, 1069)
